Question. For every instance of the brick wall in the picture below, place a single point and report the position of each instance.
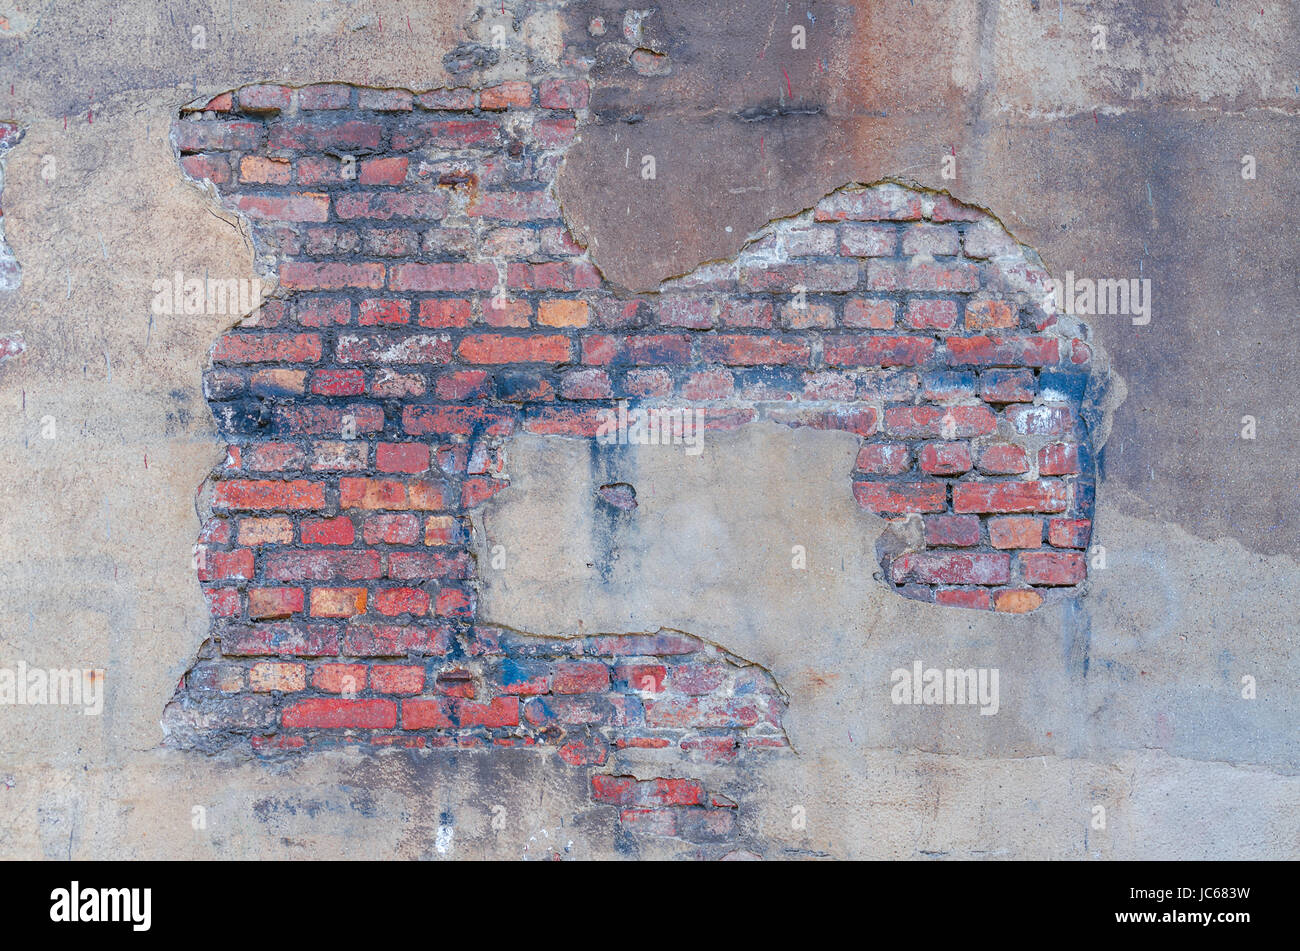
(432, 303)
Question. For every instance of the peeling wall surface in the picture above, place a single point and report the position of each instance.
(737, 430)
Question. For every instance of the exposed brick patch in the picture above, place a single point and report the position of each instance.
(10, 273)
(432, 303)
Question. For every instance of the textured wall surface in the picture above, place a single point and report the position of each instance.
(431, 614)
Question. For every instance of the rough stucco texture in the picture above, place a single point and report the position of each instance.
(431, 614)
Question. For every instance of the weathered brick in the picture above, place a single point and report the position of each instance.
(1009, 497)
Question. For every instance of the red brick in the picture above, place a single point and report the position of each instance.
(1009, 497)
(329, 713)
(1002, 351)
(931, 239)
(446, 99)
(1016, 600)
(451, 133)
(553, 276)
(322, 565)
(249, 494)
(952, 531)
(455, 602)
(442, 312)
(214, 168)
(223, 602)
(267, 676)
(976, 598)
(265, 531)
(294, 639)
(328, 531)
(670, 792)
(500, 712)
(959, 568)
(930, 314)
(427, 714)
(395, 601)
(890, 498)
(921, 276)
(1004, 459)
(1040, 420)
(421, 566)
(523, 206)
(955, 422)
(339, 678)
(328, 420)
(495, 348)
(989, 314)
(311, 276)
(884, 458)
(690, 313)
(264, 98)
(396, 678)
(395, 640)
(443, 530)
(868, 351)
(650, 821)
(322, 311)
(324, 96)
(586, 385)
(945, 458)
(261, 348)
(338, 382)
(384, 100)
(870, 314)
(1015, 532)
(380, 311)
(834, 277)
(274, 457)
(563, 94)
(747, 350)
(346, 456)
(616, 790)
(301, 206)
(1069, 532)
(463, 385)
(868, 241)
(269, 604)
(708, 385)
(264, 171)
(648, 678)
(1007, 386)
(323, 136)
(410, 457)
(338, 602)
(514, 94)
(1053, 567)
(746, 313)
(370, 493)
(872, 204)
(1058, 459)
(422, 420)
(704, 713)
(197, 136)
(384, 206)
(580, 677)
(389, 348)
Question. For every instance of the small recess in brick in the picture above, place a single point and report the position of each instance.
(618, 494)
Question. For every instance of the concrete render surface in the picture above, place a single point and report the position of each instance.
(1133, 698)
